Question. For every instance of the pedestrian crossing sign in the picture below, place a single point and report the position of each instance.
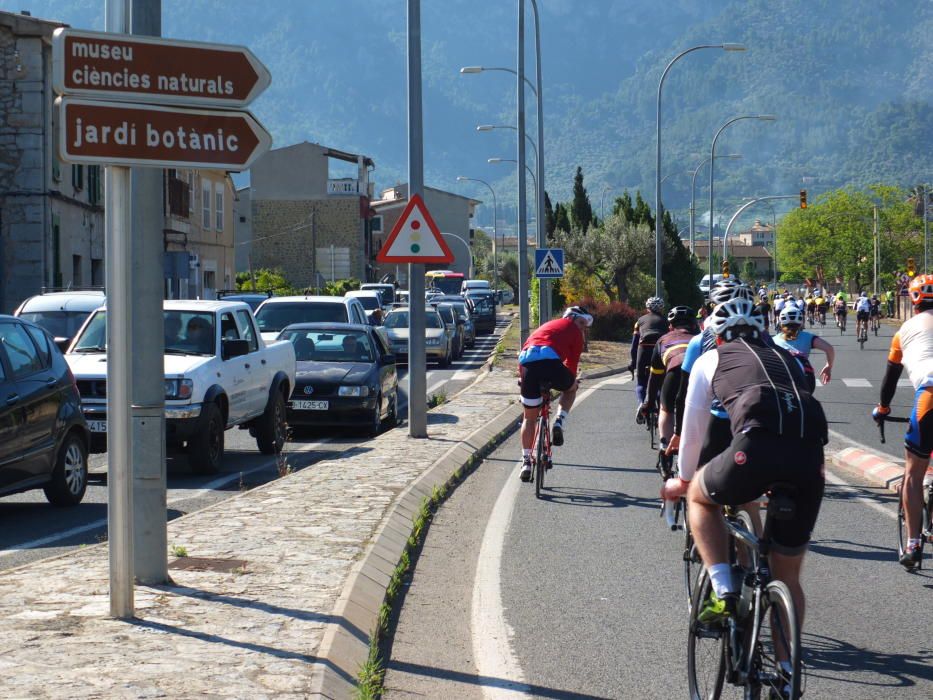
(549, 263)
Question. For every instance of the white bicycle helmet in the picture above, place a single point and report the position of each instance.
(579, 312)
(730, 288)
(790, 315)
(734, 314)
(655, 304)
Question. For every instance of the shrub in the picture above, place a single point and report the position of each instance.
(612, 321)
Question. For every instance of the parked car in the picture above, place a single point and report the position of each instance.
(505, 296)
(346, 376)
(219, 373)
(61, 313)
(463, 313)
(274, 314)
(436, 339)
(473, 284)
(704, 283)
(386, 292)
(454, 328)
(371, 301)
(43, 435)
(254, 299)
(484, 310)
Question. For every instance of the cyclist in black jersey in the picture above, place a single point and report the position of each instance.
(648, 329)
(778, 433)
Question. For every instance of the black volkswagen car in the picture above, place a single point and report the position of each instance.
(43, 434)
(345, 376)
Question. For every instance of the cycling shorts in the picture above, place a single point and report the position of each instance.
(554, 372)
(842, 311)
(752, 463)
(875, 312)
(919, 437)
(861, 315)
(669, 388)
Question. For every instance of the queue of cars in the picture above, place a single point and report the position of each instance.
(297, 361)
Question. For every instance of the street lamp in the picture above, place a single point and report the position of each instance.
(693, 195)
(491, 127)
(725, 235)
(712, 168)
(470, 70)
(658, 247)
(495, 226)
(530, 172)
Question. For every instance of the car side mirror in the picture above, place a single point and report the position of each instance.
(62, 343)
(388, 359)
(230, 348)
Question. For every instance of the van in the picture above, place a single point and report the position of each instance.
(386, 291)
(473, 285)
(704, 283)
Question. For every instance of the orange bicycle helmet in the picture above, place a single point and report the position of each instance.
(921, 289)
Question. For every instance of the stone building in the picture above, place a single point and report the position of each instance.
(759, 234)
(51, 214)
(312, 226)
(453, 214)
(759, 256)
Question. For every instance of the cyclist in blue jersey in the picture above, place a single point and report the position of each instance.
(800, 343)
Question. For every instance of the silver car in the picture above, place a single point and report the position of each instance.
(437, 341)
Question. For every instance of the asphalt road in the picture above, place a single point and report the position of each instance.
(33, 530)
(580, 595)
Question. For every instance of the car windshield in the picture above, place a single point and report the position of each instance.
(399, 319)
(447, 313)
(186, 333)
(336, 345)
(274, 317)
(386, 292)
(369, 303)
(61, 324)
(254, 300)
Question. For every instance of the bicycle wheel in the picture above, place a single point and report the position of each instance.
(706, 649)
(903, 535)
(691, 561)
(745, 556)
(541, 455)
(778, 637)
(652, 430)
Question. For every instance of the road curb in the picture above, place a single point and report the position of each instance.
(877, 467)
(342, 653)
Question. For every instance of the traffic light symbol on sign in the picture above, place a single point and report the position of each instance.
(911, 267)
(803, 199)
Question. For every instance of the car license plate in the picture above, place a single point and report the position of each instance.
(97, 426)
(299, 405)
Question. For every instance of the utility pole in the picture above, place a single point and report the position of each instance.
(522, 213)
(874, 230)
(147, 389)
(417, 362)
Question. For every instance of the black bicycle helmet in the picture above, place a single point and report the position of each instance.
(680, 316)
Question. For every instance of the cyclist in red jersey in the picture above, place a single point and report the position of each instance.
(551, 354)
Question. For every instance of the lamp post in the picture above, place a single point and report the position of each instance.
(693, 195)
(712, 169)
(658, 245)
(492, 127)
(530, 172)
(495, 224)
(471, 70)
(725, 236)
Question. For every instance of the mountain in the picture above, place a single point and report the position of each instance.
(849, 80)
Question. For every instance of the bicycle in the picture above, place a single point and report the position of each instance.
(651, 425)
(821, 318)
(542, 443)
(745, 648)
(926, 512)
(875, 324)
(841, 322)
(862, 332)
(668, 468)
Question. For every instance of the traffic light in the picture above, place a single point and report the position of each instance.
(911, 267)
(803, 199)
(725, 269)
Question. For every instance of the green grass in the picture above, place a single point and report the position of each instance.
(179, 550)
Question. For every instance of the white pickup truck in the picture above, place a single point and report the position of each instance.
(219, 373)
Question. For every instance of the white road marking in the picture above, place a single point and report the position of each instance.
(837, 480)
(491, 633)
(463, 374)
(857, 383)
(188, 495)
(904, 382)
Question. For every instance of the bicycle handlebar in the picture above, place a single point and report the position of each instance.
(892, 419)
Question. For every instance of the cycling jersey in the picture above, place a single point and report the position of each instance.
(555, 340)
(874, 308)
(760, 386)
(650, 327)
(801, 345)
(665, 362)
(862, 305)
(912, 347)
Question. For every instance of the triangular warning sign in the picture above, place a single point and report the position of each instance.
(549, 265)
(415, 238)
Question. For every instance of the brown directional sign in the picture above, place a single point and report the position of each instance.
(148, 69)
(121, 133)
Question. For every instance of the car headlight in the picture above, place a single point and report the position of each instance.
(432, 341)
(353, 391)
(178, 388)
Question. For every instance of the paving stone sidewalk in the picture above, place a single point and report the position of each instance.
(251, 632)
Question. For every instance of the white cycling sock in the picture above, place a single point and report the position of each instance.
(913, 543)
(720, 576)
(525, 453)
(562, 415)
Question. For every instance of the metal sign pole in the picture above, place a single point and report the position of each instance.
(119, 354)
(417, 362)
(150, 538)
(522, 214)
